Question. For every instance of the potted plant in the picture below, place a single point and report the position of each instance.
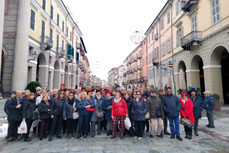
(33, 85)
(216, 98)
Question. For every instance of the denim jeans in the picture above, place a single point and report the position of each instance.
(174, 125)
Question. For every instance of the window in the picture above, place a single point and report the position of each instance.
(179, 35)
(51, 13)
(152, 35)
(32, 20)
(215, 11)
(67, 32)
(178, 6)
(162, 24)
(57, 42)
(44, 4)
(168, 18)
(194, 22)
(62, 43)
(63, 26)
(58, 20)
(51, 34)
(70, 36)
(43, 31)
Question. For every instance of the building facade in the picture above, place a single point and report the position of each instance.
(41, 42)
(201, 36)
(112, 77)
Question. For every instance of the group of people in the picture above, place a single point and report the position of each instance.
(87, 112)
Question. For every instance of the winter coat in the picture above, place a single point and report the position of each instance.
(105, 107)
(197, 106)
(43, 109)
(139, 110)
(171, 105)
(81, 107)
(155, 107)
(187, 110)
(209, 103)
(129, 103)
(119, 109)
(68, 108)
(146, 94)
(28, 108)
(58, 106)
(98, 106)
(15, 114)
(6, 106)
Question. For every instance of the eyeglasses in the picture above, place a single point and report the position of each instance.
(38, 89)
(138, 94)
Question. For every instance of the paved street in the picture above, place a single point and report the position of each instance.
(210, 141)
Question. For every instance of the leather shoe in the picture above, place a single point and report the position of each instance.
(172, 136)
(196, 134)
(211, 126)
(167, 133)
(186, 137)
(189, 137)
(50, 138)
(59, 136)
(78, 136)
(85, 136)
(151, 136)
(179, 138)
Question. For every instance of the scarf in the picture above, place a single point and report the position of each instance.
(117, 100)
(98, 97)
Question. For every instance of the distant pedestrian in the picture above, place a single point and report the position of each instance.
(209, 105)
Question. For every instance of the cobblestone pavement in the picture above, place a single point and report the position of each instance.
(210, 141)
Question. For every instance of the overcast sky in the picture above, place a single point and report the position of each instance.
(107, 26)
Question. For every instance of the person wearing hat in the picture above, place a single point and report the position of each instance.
(187, 112)
(197, 108)
(172, 106)
(155, 109)
(62, 87)
(165, 119)
(209, 105)
(13, 110)
(106, 107)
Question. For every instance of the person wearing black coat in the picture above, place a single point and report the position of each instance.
(45, 111)
(197, 109)
(106, 107)
(129, 103)
(172, 106)
(27, 113)
(13, 110)
(209, 106)
(57, 115)
(69, 108)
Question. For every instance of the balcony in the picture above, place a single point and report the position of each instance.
(186, 5)
(156, 36)
(60, 52)
(191, 40)
(46, 43)
(155, 61)
(139, 56)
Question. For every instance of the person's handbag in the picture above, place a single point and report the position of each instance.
(127, 123)
(186, 122)
(22, 128)
(75, 115)
(99, 113)
(35, 115)
(147, 116)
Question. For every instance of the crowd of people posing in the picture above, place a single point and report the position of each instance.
(87, 112)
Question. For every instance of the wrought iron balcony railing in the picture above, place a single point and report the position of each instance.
(192, 39)
(186, 5)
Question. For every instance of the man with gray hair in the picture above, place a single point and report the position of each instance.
(209, 106)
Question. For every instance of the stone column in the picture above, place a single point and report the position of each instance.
(2, 10)
(19, 80)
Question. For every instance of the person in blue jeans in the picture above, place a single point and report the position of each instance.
(172, 106)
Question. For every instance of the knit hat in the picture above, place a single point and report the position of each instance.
(184, 93)
(108, 92)
(13, 92)
(62, 84)
(192, 89)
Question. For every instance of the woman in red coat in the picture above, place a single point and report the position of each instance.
(119, 112)
(187, 112)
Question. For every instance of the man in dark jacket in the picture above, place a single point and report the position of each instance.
(165, 119)
(209, 105)
(197, 108)
(14, 116)
(172, 106)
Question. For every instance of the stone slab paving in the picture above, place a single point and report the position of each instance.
(210, 141)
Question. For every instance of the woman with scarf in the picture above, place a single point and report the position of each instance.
(82, 107)
(107, 106)
(119, 112)
(57, 115)
(187, 112)
(69, 108)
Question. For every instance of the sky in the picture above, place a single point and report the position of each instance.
(107, 26)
